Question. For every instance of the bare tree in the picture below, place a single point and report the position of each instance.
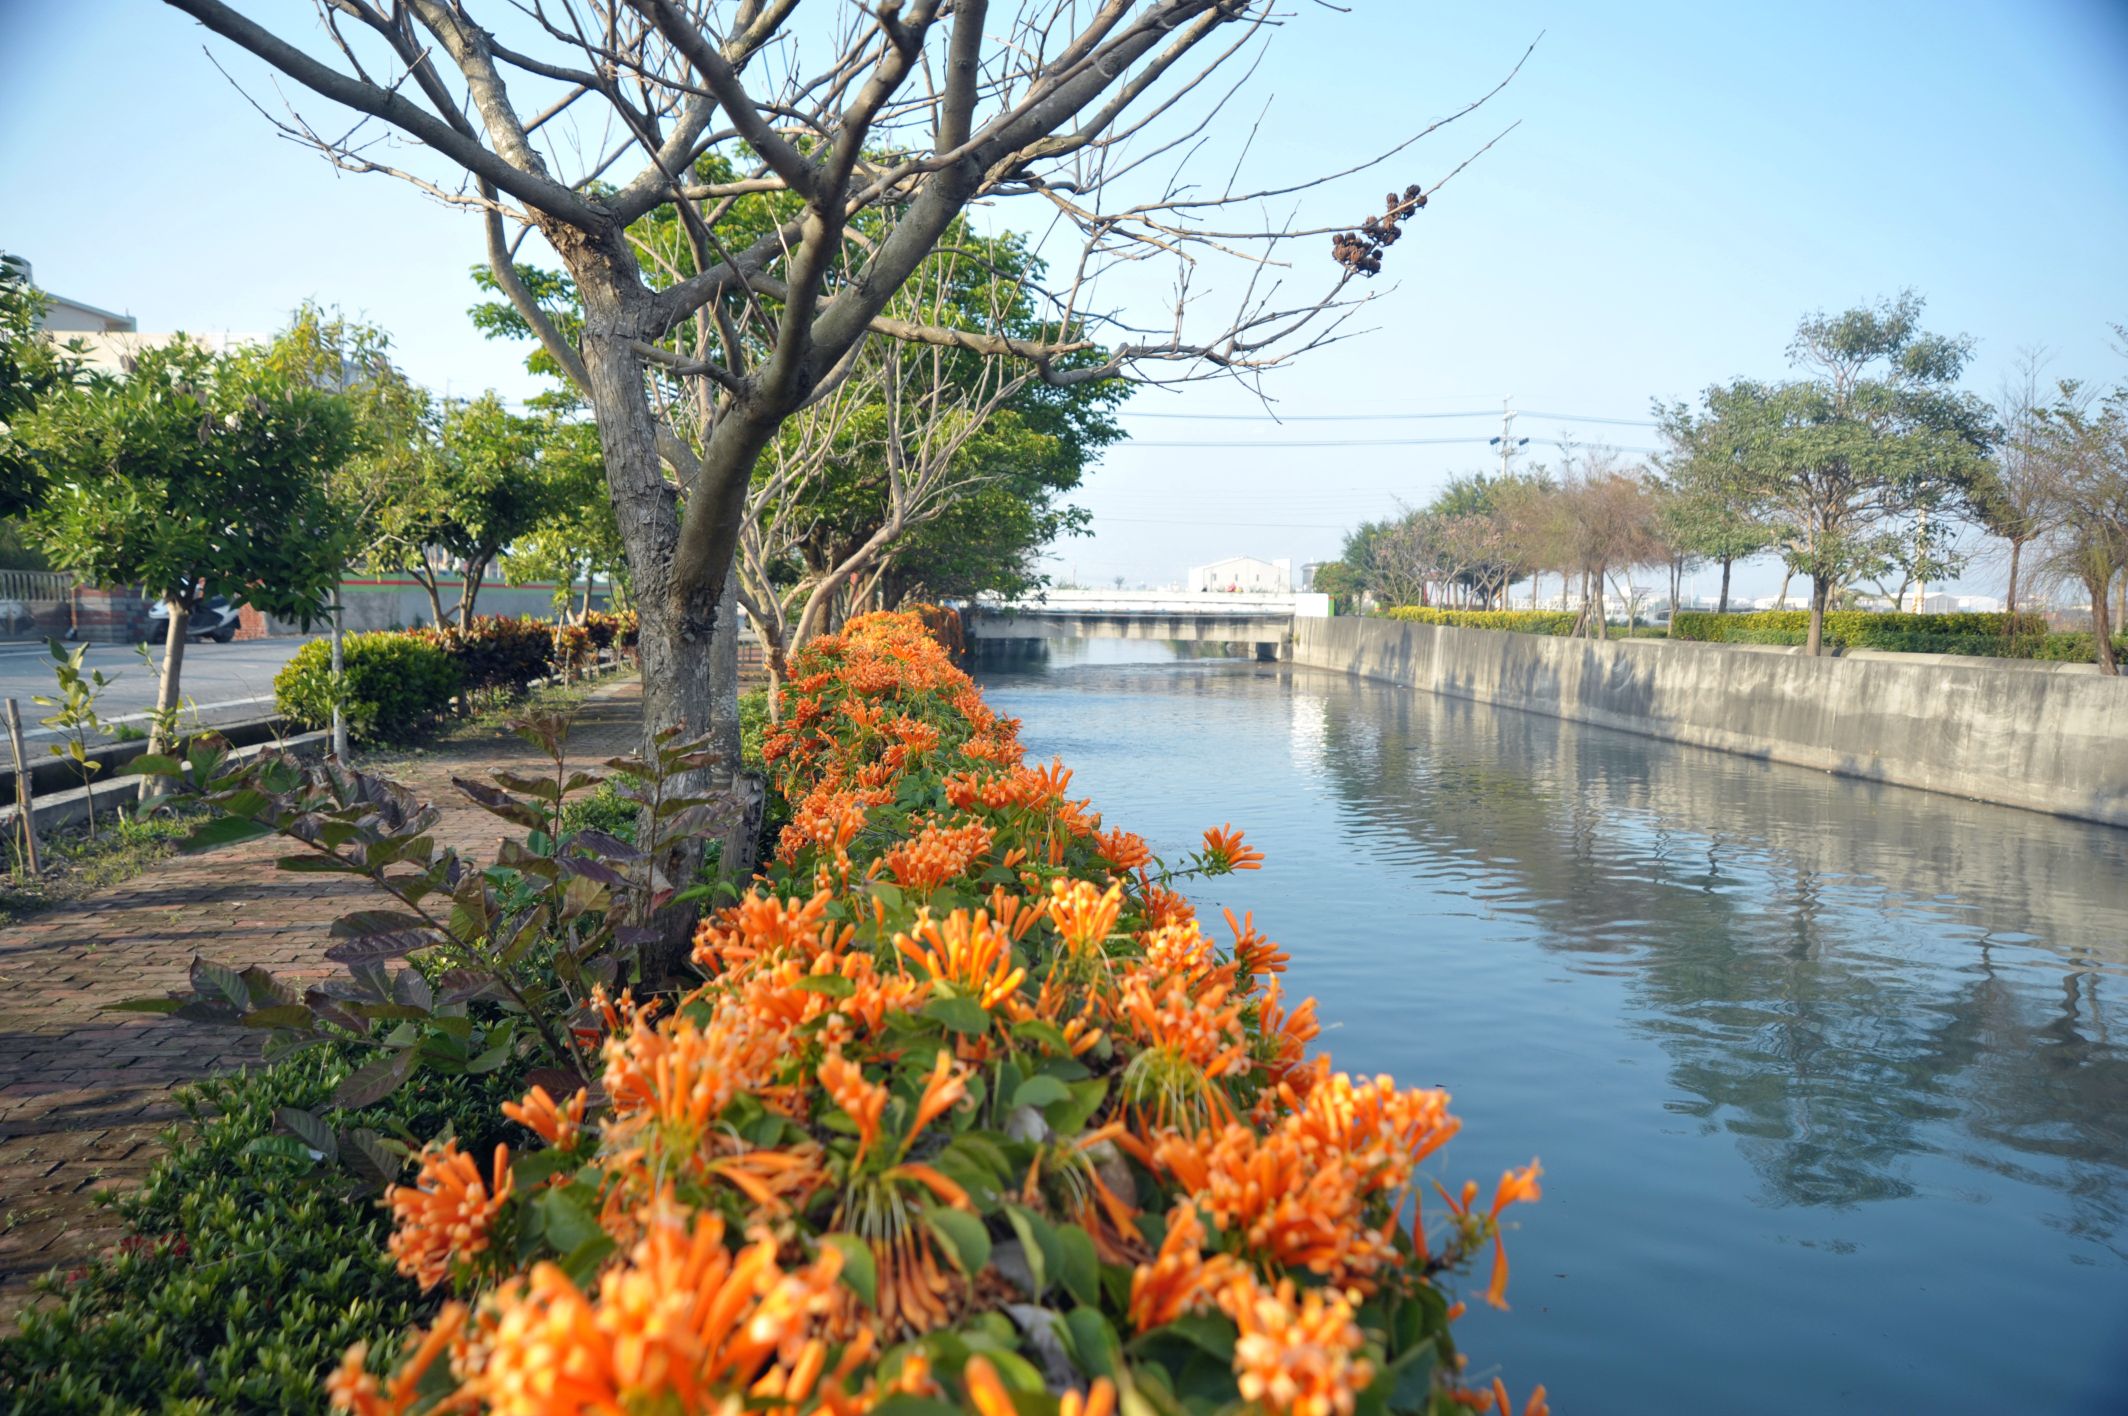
(814, 169)
(2086, 450)
(2015, 499)
(923, 419)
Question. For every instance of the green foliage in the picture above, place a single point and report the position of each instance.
(393, 685)
(197, 474)
(505, 957)
(495, 653)
(32, 368)
(1515, 621)
(74, 714)
(2077, 647)
(248, 1271)
(1994, 635)
(1845, 465)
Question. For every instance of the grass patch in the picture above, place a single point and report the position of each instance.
(77, 866)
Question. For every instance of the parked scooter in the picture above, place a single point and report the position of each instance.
(214, 619)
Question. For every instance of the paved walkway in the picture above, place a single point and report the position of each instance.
(84, 1092)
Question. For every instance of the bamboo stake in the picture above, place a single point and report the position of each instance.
(23, 812)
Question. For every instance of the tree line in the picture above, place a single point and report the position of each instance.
(1859, 473)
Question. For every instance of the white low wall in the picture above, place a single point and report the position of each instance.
(2050, 738)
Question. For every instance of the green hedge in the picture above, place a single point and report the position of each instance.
(1513, 621)
(1986, 635)
(246, 1275)
(496, 652)
(397, 684)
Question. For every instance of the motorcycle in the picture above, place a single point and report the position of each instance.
(215, 618)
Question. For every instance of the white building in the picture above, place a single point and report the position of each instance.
(106, 337)
(1238, 574)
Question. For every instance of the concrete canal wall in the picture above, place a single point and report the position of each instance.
(2050, 738)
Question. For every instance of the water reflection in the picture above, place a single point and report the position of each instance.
(1826, 1075)
(1817, 957)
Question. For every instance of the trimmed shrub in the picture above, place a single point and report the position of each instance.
(1513, 621)
(2077, 646)
(246, 1274)
(397, 684)
(1992, 635)
(496, 653)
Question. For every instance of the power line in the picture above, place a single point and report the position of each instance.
(1365, 442)
(1385, 417)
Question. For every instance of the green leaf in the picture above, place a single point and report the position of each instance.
(223, 831)
(1038, 1241)
(285, 1015)
(145, 1005)
(282, 1147)
(568, 1219)
(961, 1015)
(315, 865)
(832, 985)
(1203, 1331)
(1093, 1342)
(1039, 1091)
(210, 979)
(1409, 1380)
(859, 1269)
(583, 1261)
(1080, 1269)
(310, 1130)
(155, 764)
(374, 1081)
(967, 1242)
(1086, 1098)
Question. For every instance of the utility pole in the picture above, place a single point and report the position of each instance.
(1507, 442)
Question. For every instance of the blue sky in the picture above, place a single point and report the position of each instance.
(1684, 182)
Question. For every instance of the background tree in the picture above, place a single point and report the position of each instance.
(32, 368)
(2086, 452)
(578, 536)
(488, 484)
(2013, 497)
(1709, 508)
(196, 474)
(1856, 467)
(1615, 524)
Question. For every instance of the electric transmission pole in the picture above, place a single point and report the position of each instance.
(1507, 442)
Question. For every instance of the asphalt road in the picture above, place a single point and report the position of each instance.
(224, 682)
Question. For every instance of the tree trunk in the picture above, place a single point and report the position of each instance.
(676, 632)
(1820, 595)
(475, 572)
(2009, 598)
(1722, 606)
(1677, 576)
(1781, 601)
(426, 576)
(2102, 626)
(339, 667)
(1597, 618)
(167, 683)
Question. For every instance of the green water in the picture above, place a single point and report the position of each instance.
(1829, 1080)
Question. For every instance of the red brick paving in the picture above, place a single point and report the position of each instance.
(83, 1093)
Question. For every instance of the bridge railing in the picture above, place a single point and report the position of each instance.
(1241, 604)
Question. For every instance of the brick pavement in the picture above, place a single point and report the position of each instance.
(83, 1093)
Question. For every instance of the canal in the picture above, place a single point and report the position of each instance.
(1829, 1079)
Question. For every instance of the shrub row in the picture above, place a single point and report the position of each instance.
(1514, 621)
(398, 682)
(244, 1276)
(971, 1110)
(1987, 635)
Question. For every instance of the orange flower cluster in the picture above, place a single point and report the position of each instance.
(937, 854)
(443, 1218)
(954, 1020)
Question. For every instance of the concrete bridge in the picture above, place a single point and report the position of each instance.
(1262, 620)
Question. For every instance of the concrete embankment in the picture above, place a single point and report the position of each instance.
(2050, 738)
